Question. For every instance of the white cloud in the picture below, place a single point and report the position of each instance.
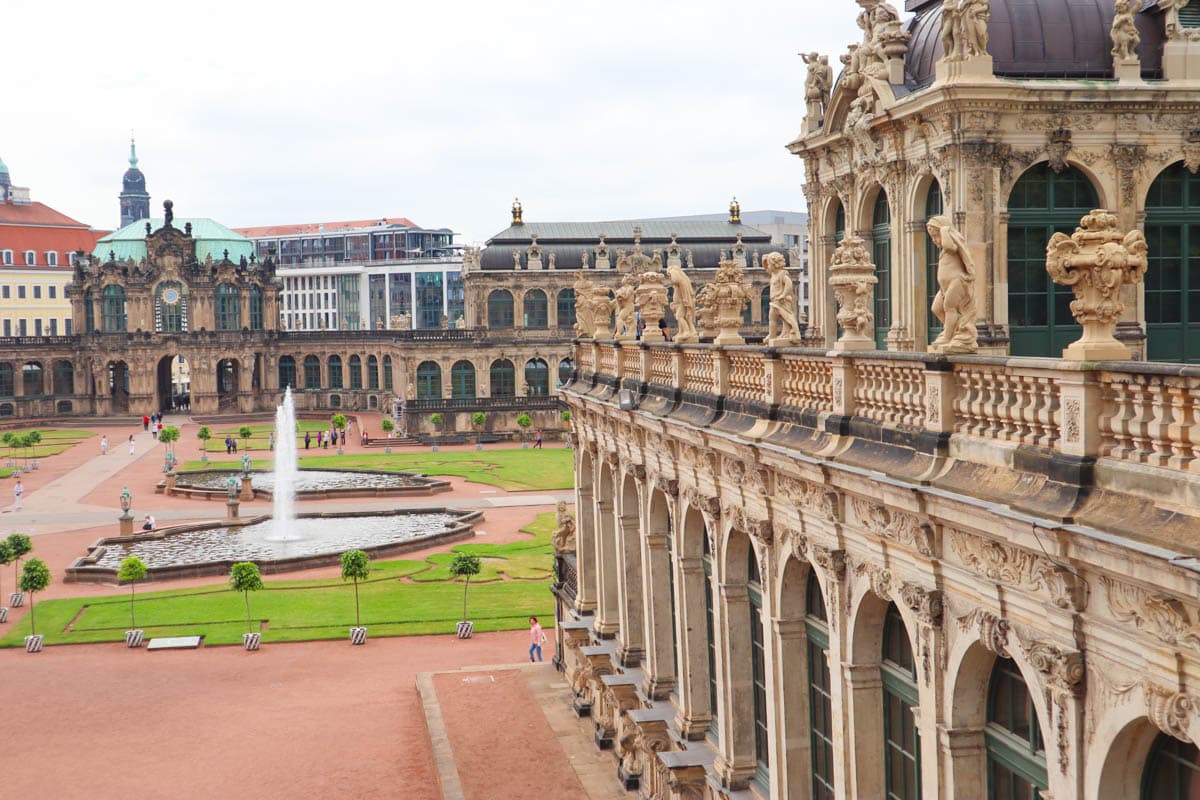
(262, 112)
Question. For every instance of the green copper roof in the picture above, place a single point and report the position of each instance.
(132, 154)
(212, 239)
(3, 168)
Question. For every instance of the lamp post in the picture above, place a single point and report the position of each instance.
(126, 519)
(231, 488)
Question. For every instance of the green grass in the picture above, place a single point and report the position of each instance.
(512, 470)
(260, 435)
(54, 441)
(401, 598)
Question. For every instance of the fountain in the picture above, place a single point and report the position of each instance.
(283, 528)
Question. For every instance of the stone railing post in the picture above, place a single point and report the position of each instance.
(720, 372)
(1080, 404)
(772, 378)
(844, 378)
(940, 385)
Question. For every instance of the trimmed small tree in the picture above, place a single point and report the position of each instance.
(132, 570)
(355, 567)
(339, 421)
(465, 565)
(436, 419)
(388, 426)
(19, 546)
(244, 433)
(169, 436)
(479, 420)
(35, 576)
(244, 577)
(566, 415)
(204, 434)
(524, 421)
(6, 558)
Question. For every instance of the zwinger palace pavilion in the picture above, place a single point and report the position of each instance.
(943, 543)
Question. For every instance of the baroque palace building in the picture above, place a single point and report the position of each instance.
(864, 570)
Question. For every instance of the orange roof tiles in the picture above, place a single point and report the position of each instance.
(39, 228)
(322, 227)
(35, 214)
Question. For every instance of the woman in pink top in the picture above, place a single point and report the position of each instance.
(536, 638)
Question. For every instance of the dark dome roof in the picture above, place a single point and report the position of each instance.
(134, 180)
(1040, 39)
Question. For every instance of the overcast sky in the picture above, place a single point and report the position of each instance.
(257, 112)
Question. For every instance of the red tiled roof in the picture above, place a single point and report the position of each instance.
(35, 214)
(322, 227)
(20, 238)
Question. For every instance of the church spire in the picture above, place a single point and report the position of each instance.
(135, 202)
(132, 152)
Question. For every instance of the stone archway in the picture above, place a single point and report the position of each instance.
(228, 385)
(172, 383)
(118, 386)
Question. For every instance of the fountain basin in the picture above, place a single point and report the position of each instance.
(211, 548)
(311, 484)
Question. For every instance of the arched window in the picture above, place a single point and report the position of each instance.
(89, 312)
(429, 381)
(820, 702)
(1039, 312)
(256, 307)
(112, 309)
(748, 314)
(312, 372)
(1172, 770)
(1173, 279)
(764, 304)
(387, 373)
(901, 740)
(707, 561)
(881, 250)
(7, 380)
(537, 378)
(566, 308)
(503, 378)
(355, 372)
(1016, 757)
(287, 372)
(565, 368)
(64, 377)
(462, 380)
(33, 379)
(758, 667)
(500, 309)
(372, 372)
(228, 308)
(933, 207)
(334, 367)
(170, 308)
(535, 309)
(839, 224)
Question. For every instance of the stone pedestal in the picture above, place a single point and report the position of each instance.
(1128, 71)
(170, 489)
(1181, 60)
(231, 508)
(125, 523)
(247, 488)
(971, 69)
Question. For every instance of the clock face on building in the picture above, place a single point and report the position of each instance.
(170, 296)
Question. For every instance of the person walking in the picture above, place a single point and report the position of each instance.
(307, 439)
(537, 638)
(131, 444)
(104, 445)
(18, 493)
(145, 422)
(158, 430)
(271, 441)
(537, 440)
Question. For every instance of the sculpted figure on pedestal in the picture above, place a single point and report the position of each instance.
(965, 29)
(684, 304)
(1125, 36)
(585, 324)
(783, 328)
(564, 535)
(954, 303)
(1096, 261)
(818, 85)
(626, 329)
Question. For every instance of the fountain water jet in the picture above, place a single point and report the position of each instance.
(287, 471)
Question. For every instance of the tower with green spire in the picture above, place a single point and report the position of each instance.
(135, 202)
(5, 182)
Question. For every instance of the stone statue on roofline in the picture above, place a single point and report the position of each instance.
(817, 87)
(683, 304)
(1125, 36)
(728, 298)
(564, 535)
(626, 329)
(954, 303)
(585, 326)
(965, 29)
(783, 328)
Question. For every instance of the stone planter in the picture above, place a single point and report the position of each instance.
(251, 641)
(16, 599)
(134, 638)
(3, 615)
(465, 629)
(358, 636)
(33, 644)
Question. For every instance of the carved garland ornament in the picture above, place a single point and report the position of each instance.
(1011, 565)
(899, 526)
(993, 630)
(810, 497)
(1163, 616)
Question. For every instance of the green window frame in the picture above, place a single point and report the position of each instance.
(1172, 282)
(1172, 770)
(112, 312)
(503, 378)
(462, 380)
(387, 373)
(536, 309)
(372, 372)
(881, 252)
(933, 207)
(355, 369)
(256, 308)
(901, 739)
(228, 307)
(170, 317)
(537, 377)
(287, 372)
(820, 693)
(312, 373)
(8, 384)
(334, 368)
(63, 381)
(566, 308)
(1016, 756)
(89, 312)
(758, 668)
(429, 381)
(500, 309)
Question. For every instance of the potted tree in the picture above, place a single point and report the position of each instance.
(436, 420)
(204, 434)
(132, 570)
(32, 440)
(19, 546)
(479, 420)
(524, 421)
(388, 426)
(6, 558)
(339, 425)
(35, 577)
(244, 577)
(169, 436)
(465, 565)
(355, 567)
(244, 433)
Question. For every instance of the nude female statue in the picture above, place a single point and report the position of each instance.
(954, 303)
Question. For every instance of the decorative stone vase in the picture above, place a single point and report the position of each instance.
(134, 638)
(465, 629)
(358, 635)
(651, 301)
(1096, 261)
(852, 278)
(3, 615)
(33, 644)
(16, 599)
(251, 641)
(729, 298)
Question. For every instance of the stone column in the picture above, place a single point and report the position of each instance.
(586, 549)
(791, 739)
(735, 763)
(631, 637)
(863, 690)
(962, 750)
(691, 630)
(659, 668)
(607, 614)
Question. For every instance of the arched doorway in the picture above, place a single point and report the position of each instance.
(1043, 202)
(118, 386)
(173, 383)
(227, 384)
(1173, 279)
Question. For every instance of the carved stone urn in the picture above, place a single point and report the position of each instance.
(601, 307)
(729, 297)
(852, 279)
(1096, 261)
(651, 301)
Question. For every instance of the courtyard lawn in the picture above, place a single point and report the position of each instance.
(260, 435)
(512, 470)
(401, 598)
(54, 441)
